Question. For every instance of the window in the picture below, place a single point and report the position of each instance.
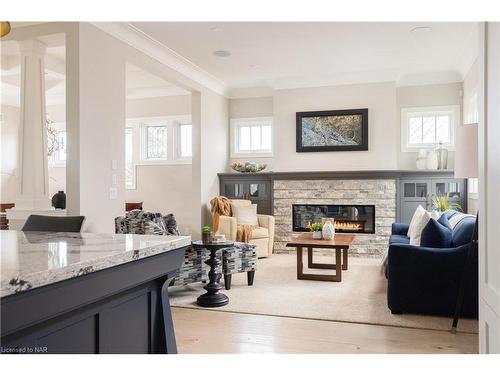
(165, 140)
(129, 159)
(252, 137)
(57, 148)
(473, 188)
(154, 142)
(184, 141)
(426, 127)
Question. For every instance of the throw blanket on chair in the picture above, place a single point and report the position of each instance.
(221, 206)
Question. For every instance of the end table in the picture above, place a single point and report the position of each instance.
(212, 298)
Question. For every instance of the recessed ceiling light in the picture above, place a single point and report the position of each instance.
(221, 53)
(421, 29)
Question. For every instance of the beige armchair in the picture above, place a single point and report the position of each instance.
(262, 236)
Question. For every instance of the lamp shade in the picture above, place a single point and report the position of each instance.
(466, 151)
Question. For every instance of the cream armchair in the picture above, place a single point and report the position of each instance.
(262, 236)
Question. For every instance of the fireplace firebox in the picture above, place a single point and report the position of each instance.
(347, 218)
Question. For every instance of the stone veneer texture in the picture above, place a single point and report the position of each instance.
(379, 192)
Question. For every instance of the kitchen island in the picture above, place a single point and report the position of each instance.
(87, 293)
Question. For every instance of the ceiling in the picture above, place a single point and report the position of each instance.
(142, 84)
(299, 54)
(139, 83)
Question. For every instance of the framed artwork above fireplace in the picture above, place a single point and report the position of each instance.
(339, 130)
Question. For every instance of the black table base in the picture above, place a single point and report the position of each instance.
(213, 297)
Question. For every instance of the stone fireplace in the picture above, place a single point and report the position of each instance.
(366, 207)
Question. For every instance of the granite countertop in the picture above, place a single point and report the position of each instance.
(34, 259)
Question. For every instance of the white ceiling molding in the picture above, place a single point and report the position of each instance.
(137, 39)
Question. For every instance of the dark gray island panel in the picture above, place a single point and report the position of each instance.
(119, 309)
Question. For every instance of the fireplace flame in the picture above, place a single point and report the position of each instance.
(348, 225)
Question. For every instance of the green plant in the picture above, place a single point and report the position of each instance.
(442, 203)
(316, 227)
(206, 229)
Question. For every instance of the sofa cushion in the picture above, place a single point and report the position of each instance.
(462, 233)
(435, 234)
(259, 232)
(399, 238)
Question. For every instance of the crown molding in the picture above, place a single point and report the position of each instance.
(141, 41)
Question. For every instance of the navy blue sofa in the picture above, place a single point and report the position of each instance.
(425, 280)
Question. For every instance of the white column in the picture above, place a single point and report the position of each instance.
(32, 172)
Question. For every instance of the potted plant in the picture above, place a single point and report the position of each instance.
(442, 203)
(316, 229)
(206, 234)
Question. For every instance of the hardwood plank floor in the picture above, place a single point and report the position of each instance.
(217, 332)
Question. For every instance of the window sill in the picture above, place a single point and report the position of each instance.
(412, 149)
(235, 155)
(57, 165)
(165, 162)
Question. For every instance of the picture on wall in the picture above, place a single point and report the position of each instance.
(340, 130)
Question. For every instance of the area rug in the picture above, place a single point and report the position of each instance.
(360, 297)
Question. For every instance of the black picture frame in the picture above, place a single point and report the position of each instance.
(363, 146)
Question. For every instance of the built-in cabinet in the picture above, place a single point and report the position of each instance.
(252, 187)
(415, 191)
(413, 188)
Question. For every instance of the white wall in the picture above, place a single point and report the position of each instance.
(251, 107)
(379, 98)
(384, 102)
(163, 188)
(101, 128)
(210, 115)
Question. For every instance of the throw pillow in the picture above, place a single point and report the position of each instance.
(419, 225)
(417, 215)
(443, 220)
(245, 215)
(436, 234)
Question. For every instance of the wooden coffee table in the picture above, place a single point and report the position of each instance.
(340, 243)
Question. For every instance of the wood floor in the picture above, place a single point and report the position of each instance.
(211, 331)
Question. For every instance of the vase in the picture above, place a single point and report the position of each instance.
(317, 235)
(442, 155)
(421, 159)
(59, 200)
(328, 231)
(432, 160)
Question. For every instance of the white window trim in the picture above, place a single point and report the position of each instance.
(422, 111)
(473, 194)
(171, 122)
(237, 122)
(137, 153)
(134, 159)
(177, 142)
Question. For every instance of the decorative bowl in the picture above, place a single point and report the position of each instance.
(248, 167)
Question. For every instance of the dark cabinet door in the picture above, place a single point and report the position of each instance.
(256, 190)
(454, 187)
(413, 193)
